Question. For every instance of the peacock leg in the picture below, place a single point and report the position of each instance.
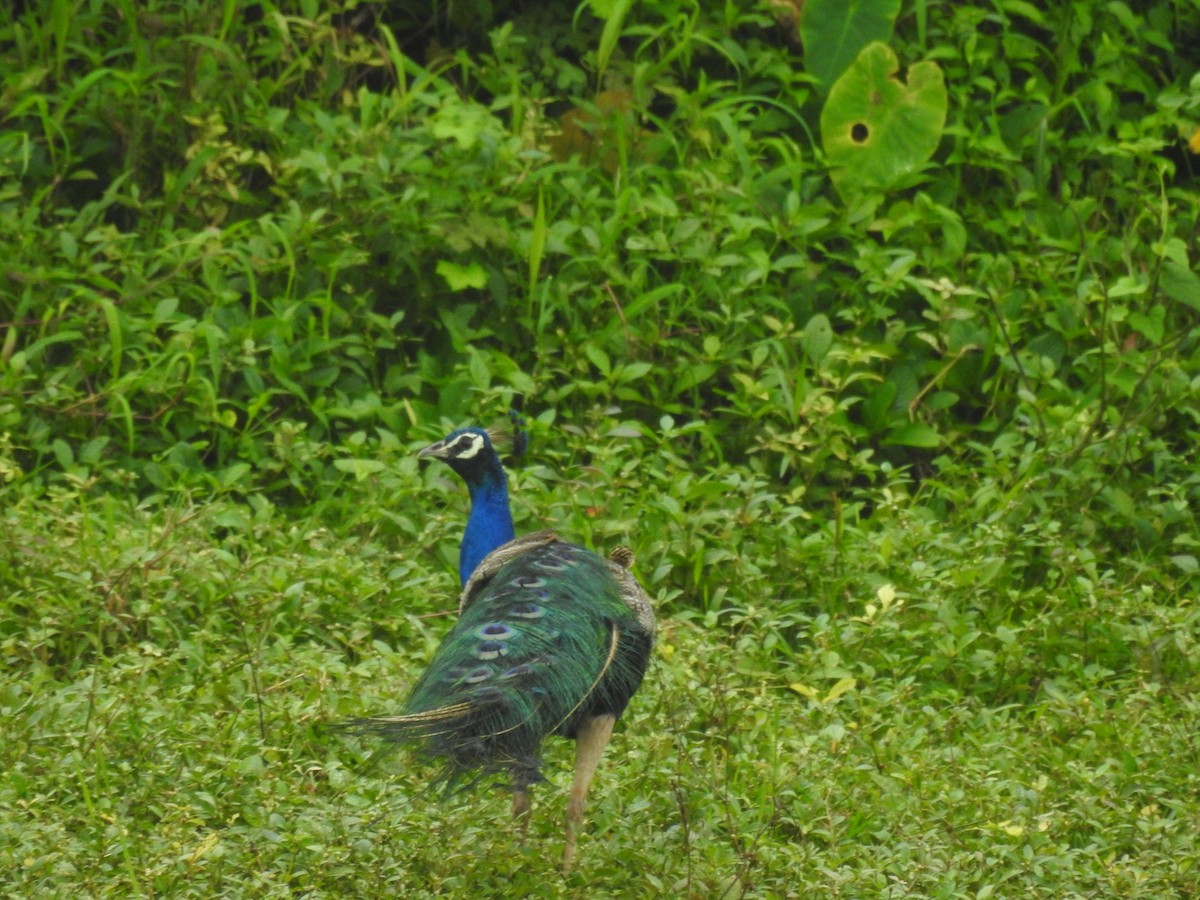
(521, 811)
(590, 741)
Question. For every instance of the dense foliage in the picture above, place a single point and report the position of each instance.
(911, 471)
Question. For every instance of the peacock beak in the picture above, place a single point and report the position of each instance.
(434, 451)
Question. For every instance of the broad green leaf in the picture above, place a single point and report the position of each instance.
(913, 434)
(1126, 286)
(361, 469)
(697, 373)
(1151, 325)
(634, 371)
(1186, 563)
(598, 358)
(834, 32)
(1181, 284)
(233, 474)
(461, 278)
(844, 685)
(877, 409)
(876, 128)
(464, 122)
(818, 338)
(62, 453)
(1121, 501)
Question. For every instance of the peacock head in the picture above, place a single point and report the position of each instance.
(470, 453)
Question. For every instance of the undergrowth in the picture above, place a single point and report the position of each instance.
(910, 472)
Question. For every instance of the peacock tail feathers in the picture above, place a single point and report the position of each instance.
(549, 635)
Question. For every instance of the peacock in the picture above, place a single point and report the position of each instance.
(552, 638)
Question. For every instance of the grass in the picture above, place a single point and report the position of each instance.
(909, 468)
(166, 696)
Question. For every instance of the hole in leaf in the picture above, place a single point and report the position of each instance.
(859, 132)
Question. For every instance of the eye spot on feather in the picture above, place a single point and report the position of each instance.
(528, 581)
(490, 650)
(526, 610)
(550, 564)
(478, 674)
(495, 631)
(522, 671)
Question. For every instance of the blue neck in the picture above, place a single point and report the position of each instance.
(488, 526)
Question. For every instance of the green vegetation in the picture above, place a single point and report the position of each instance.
(909, 464)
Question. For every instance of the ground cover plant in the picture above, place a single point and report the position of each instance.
(907, 459)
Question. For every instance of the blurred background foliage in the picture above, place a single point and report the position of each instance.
(909, 464)
(263, 249)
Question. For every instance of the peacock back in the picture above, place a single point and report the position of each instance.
(549, 633)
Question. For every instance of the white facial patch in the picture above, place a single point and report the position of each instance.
(466, 447)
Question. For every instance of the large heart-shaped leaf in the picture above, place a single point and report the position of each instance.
(877, 127)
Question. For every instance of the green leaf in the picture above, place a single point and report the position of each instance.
(598, 358)
(361, 469)
(462, 278)
(834, 32)
(113, 320)
(876, 128)
(252, 765)
(695, 374)
(1180, 284)
(233, 474)
(634, 371)
(613, 12)
(1151, 325)
(537, 243)
(1126, 286)
(818, 338)
(1186, 563)
(463, 122)
(62, 453)
(878, 406)
(913, 434)
(843, 686)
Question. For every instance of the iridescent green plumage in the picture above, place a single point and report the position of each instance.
(544, 641)
(552, 639)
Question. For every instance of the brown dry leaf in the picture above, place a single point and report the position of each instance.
(594, 134)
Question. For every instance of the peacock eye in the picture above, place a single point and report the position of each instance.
(529, 581)
(490, 650)
(466, 447)
(526, 611)
(496, 631)
(478, 674)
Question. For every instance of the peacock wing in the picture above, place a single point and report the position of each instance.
(547, 637)
(497, 559)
